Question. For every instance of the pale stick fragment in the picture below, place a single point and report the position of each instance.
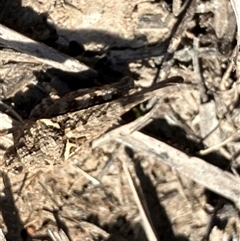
(92, 179)
(2, 237)
(8, 55)
(6, 122)
(220, 9)
(178, 7)
(225, 81)
(146, 222)
(58, 236)
(220, 144)
(39, 51)
(236, 9)
(95, 230)
(211, 177)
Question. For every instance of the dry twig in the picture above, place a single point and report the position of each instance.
(236, 8)
(211, 177)
(41, 52)
(58, 236)
(149, 230)
(2, 237)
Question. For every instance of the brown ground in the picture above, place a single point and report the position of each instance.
(136, 34)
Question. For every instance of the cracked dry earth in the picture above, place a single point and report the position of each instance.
(87, 198)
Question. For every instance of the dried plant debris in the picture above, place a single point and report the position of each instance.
(76, 85)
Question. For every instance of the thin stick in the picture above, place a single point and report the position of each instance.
(39, 51)
(218, 145)
(145, 219)
(236, 9)
(213, 178)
